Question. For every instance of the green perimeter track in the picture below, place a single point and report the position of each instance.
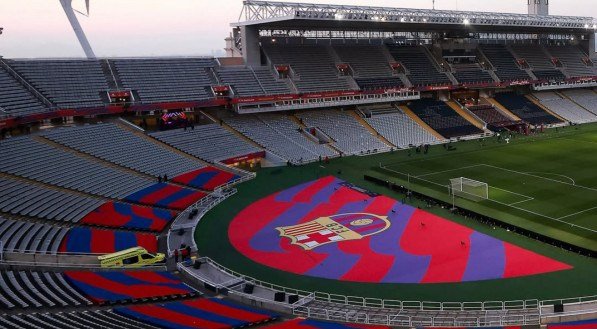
(570, 151)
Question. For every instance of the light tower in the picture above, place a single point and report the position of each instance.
(67, 5)
(538, 7)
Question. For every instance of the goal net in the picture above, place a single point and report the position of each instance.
(469, 189)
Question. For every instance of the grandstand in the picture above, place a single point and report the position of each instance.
(443, 119)
(305, 183)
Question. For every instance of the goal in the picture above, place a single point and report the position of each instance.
(469, 189)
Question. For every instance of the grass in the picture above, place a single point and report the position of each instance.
(546, 185)
(545, 150)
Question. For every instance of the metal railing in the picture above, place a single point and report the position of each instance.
(203, 206)
(415, 320)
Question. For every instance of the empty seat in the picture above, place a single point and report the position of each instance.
(439, 116)
(210, 142)
(29, 158)
(115, 144)
(70, 84)
(523, 108)
(32, 289)
(167, 80)
(314, 66)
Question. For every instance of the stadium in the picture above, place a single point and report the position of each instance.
(341, 167)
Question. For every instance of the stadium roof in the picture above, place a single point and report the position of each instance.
(268, 15)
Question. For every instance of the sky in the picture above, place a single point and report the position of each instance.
(117, 28)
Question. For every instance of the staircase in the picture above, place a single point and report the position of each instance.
(482, 57)
(298, 122)
(420, 122)
(114, 81)
(503, 109)
(436, 62)
(541, 106)
(467, 115)
(560, 68)
(529, 69)
(371, 129)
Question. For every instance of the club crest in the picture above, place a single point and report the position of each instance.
(337, 228)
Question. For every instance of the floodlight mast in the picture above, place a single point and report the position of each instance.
(67, 5)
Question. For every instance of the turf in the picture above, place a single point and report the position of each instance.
(212, 232)
(547, 186)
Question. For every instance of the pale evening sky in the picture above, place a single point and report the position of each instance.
(39, 28)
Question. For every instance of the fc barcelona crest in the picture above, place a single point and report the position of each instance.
(337, 228)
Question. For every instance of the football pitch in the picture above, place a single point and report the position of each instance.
(548, 185)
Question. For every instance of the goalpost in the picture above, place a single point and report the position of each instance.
(469, 189)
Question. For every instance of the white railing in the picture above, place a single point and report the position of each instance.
(415, 320)
(369, 308)
(203, 206)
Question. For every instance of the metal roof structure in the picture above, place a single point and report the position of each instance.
(281, 15)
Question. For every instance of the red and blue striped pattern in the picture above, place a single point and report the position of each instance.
(208, 178)
(507, 327)
(166, 196)
(314, 324)
(586, 324)
(417, 247)
(87, 240)
(116, 286)
(196, 314)
(122, 215)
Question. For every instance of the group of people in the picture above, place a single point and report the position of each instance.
(184, 253)
(165, 179)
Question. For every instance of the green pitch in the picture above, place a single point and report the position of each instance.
(547, 185)
(528, 174)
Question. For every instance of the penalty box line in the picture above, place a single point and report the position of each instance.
(513, 205)
(526, 197)
(559, 219)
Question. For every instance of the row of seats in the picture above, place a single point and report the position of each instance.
(242, 80)
(526, 110)
(503, 62)
(247, 81)
(166, 195)
(379, 83)
(538, 60)
(24, 236)
(586, 98)
(15, 99)
(281, 136)
(314, 65)
(270, 84)
(210, 142)
(207, 178)
(66, 83)
(100, 319)
(490, 115)
(571, 58)
(29, 158)
(367, 61)
(349, 136)
(439, 116)
(565, 108)
(134, 217)
(419, 65)
(119, 286)
(471, 73)
(33, 289)
(197, 313)
(116, 144)
(17, 197)
(400, 129)
(167, 80)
